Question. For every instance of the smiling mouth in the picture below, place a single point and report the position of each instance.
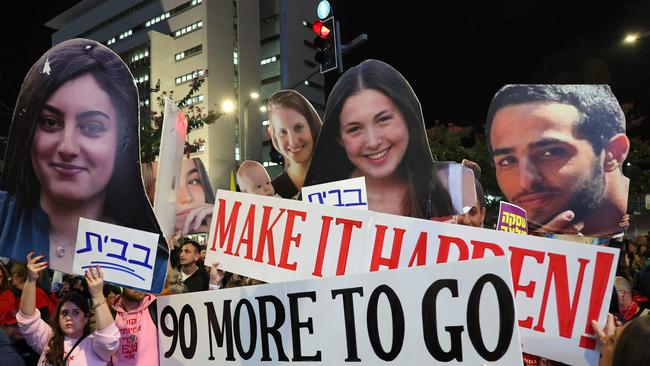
(67, 170)
(378, 156)
(296, 149)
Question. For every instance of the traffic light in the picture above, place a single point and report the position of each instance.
(326, 44)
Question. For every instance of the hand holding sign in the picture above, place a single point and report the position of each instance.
(127, 254)
(34, 268)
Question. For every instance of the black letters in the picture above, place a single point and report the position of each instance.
(187, 350)
(265, 330)
(226, 329)
(430, 325)
(348, 312)
(169, 310)
(253, 329)
(398, 323)
(296, 324)
(506, 317)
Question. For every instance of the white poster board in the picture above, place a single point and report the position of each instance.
(343, 193)
(126, 256)
(560, 286)
(457, 313)
(172, 145)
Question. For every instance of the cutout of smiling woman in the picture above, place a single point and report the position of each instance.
(294, 127)
(73, 152)
(374, 128)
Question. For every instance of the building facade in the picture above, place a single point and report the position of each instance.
(247, 46)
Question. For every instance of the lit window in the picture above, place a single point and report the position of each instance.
(265, 122)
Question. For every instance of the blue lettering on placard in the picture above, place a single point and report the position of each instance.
(146, 258)
(318, 194)
(338, 196)
(349, 197)
(121, 256)
(94, 240)
(358, 199)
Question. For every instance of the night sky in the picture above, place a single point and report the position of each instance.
(472, 48)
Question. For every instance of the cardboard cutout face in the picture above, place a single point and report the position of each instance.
(294, 127)
(374, 128)
(73, 152)
(559, 152)
(194, 197)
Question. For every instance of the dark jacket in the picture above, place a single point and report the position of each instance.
(198, 281)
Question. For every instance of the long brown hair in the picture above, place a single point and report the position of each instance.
(427, 197)
(293, 100)
(55, 353)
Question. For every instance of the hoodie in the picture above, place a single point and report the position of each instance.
(93, 350)
(138, 334)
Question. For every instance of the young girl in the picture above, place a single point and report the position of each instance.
(67, 340)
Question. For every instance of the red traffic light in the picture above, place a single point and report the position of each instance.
(321, 29)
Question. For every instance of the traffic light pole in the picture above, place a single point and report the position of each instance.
(346, 48)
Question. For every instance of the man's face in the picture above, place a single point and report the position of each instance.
(189, 255)
(541, 165)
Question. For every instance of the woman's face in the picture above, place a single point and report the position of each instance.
(75, 142)
(292, 134)
(373, 133)
(190, 192)
(72, 320)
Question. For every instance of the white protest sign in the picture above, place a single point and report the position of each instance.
(457, 313)
(559, 286)
(345, 193)
(172, 145)
(127, 256)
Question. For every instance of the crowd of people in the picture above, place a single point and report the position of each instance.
(41, 310)
(557, 149)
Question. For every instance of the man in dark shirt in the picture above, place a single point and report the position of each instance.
(193, 273)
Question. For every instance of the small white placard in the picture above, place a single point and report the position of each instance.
(127, 256)
(342, 193)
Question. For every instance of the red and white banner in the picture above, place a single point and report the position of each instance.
(457, 313)
(559, 286)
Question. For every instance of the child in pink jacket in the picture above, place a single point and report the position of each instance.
(68, 340)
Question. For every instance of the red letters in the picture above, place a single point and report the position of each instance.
(288, 239)
(517, 256)
(420, 251)
(348, 226)
(223, 231)
(266, 235)
(480, 247)
(566, 309)
(393, 260)
(322, 244)
(443, 251)
(602, 269)
(248, 230)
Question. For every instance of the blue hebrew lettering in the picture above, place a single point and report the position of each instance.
(320, 198)
(122, 255)
(358, 201)
(89, 246)
(338, 194)
(146, 258)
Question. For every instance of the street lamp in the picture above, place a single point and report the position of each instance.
(243, 134)
(631, 38)
(228, 106)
